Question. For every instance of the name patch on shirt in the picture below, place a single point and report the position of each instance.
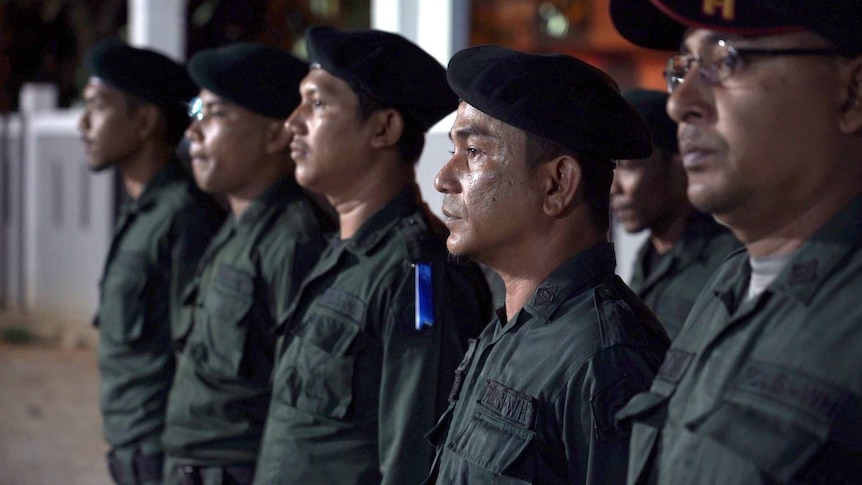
(792, 386)
(509, 403)
(675, 363)
(343, 303)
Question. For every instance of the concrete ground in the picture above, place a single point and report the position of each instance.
(50, 428)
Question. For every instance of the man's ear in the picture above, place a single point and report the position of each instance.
(278, 136)
(851, 108)
(562, 177)
(387, 126)
(149, 119)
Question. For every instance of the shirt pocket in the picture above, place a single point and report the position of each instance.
(774, 418)
(497, 445)
(316, 371)
(122, 312)
(225, 327)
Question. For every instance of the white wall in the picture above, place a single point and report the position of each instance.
(68, 218)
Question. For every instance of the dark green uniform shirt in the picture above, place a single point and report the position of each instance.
(156, 246)
(356, 384)
(247, 280)
(767, 390)
(671, 287)
(534, 399)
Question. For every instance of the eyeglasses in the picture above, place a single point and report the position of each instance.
(718, 61)
(196, 109)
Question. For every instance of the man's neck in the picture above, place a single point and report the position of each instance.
(784, 236)
(137, 171)
(522, 275)
(665, 235)
(270, 175)
(369, 196)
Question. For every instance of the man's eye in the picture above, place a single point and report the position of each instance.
(317, 102)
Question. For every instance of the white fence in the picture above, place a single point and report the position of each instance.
(57, 217)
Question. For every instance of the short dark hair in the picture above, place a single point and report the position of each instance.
(412, 139)
(176, 117)
(598, 174)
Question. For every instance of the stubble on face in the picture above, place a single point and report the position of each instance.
(489, 165)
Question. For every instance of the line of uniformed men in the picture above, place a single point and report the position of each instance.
(318, 332)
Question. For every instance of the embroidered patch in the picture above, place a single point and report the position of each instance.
(675, 363)
(793, 387)
(546, 295)
(509, 403)
(344, 303)
(605, 405)
(802, 273)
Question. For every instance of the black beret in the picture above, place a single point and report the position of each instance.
(387, 67)
(259, 78)
(652, 106)
(554, 96)
(142, 73)
(660, 24)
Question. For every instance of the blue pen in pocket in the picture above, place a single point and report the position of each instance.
(424, 296)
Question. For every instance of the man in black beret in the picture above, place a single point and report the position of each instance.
(685, 246)
(526, 193)
(250, 274)
(763, 383)
(365, 363)
(133, 117)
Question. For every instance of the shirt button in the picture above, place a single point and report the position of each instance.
(606, 292)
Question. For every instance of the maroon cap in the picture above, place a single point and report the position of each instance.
(660, 24)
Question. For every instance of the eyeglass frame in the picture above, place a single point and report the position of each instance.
(711, 73)
(195, 109)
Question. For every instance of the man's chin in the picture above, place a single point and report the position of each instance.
(98, 166)
(460, 259)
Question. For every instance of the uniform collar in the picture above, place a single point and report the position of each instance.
(820, 255)
(571, 278)
(170, 173)
(699, 229)
(378, 226)
(813, 262)
(285, 188)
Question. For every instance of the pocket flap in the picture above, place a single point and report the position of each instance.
(778, 446)
(231, 295)
(493, 443)
(647, 407)
(437, 435)
(121, 313)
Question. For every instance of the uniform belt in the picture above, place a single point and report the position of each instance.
(202, 475)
